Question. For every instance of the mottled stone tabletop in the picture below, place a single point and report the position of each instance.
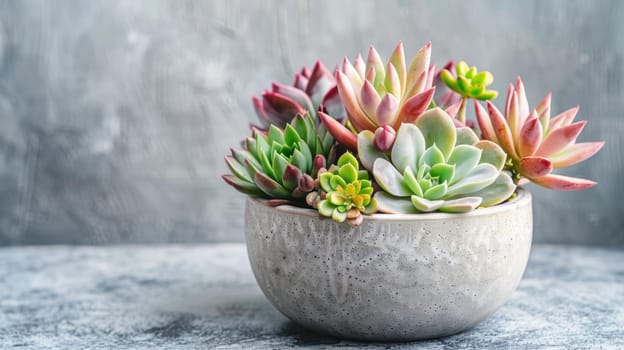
(179, 297)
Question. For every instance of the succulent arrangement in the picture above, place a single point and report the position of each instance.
(375, 137)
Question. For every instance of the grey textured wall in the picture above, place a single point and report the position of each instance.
(115, 115)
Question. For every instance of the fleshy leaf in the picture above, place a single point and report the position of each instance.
(465, 158)
(425, 205)
(389, 179)
(438, 128)
(367, 151)
(575, 153)
(461, 205)
(535, 166)
(481, 176)
(466, 136)
(409, 146)
(560, 138)
(491, 153)
(564, 183)
(393, 205)
(497, 192)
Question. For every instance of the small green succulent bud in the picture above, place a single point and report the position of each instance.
(348, 192)
(469, 82)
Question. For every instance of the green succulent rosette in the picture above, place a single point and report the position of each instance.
(281, 163)
(433, 166)
(469, 82)
(348, 192)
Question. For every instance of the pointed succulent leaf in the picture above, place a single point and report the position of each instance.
(418, 69)
(393, 82)
(242, 186)
(563, 119)
(339, 132)
(412, 182)
(575, 153)
(297, 95)
(444, 172)
(559, 139)
(290, 177)
(398, 61)
(530, 136)
(386, 110)
(237, 169)
(414, 106)
(431, 156)
(356, 116)
(290, 135)
(501, 129)
(279, 166)
(271, 187)
(563, 183)
(436, 192)
(369, 98)
(535, 166)
(485, 125)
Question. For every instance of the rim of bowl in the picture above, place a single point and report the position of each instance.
(520, 200)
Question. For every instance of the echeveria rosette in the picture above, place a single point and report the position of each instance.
(432, 166)
(282, 164)
(535, 143)
(375, 94)
(348, 192)
(311, 91)
(468, 83)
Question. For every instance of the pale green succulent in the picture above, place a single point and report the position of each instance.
(348, 192)
(432, 166)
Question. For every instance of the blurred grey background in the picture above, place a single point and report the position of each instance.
(115, 115)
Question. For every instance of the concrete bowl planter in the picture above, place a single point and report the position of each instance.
(395, 277)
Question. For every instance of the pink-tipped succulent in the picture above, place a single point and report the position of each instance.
(535, 143)
(375, 94)
(311, 91)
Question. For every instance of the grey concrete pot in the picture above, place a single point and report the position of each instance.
(394, 278)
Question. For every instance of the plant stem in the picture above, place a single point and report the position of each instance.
(461, 114)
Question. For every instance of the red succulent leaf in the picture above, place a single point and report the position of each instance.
(558, 139)
(532, 167)
(343, 135)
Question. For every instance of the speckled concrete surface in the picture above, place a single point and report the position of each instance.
(184, 297)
